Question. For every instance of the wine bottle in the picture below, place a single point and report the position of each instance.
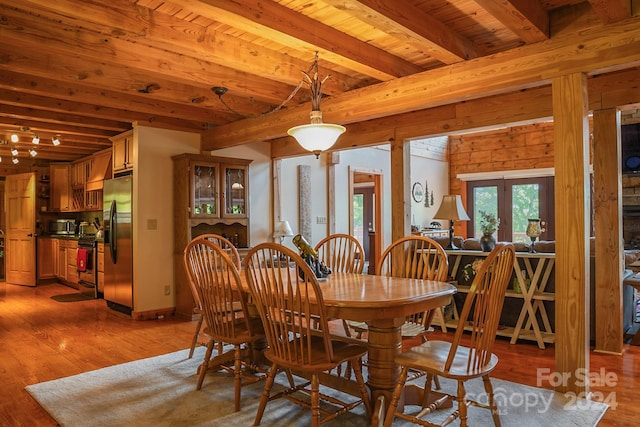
(304, 247)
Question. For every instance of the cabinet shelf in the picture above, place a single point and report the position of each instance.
(533, 322)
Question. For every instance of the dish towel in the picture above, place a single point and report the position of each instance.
(83, 256)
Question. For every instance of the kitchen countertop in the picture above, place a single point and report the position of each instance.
(65, 237)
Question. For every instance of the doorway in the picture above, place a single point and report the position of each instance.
(366, 208)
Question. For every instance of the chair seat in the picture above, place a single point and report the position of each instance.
(342, 351)
(242, 335)
(431, 357)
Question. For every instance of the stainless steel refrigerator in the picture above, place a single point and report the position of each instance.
(118, 249)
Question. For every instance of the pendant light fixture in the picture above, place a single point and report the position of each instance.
(316, 136)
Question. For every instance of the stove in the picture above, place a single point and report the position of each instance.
(87, 264)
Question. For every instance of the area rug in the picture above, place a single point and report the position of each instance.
(73, 297)
(160, 391)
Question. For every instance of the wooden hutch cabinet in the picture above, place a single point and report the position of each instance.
(210, 195)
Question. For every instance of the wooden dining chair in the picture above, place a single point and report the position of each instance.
(481, 315)
(341, 253)
(216, 280)
(235, 256)
(287, 296)
(415, 257)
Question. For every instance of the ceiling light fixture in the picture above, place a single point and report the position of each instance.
(33, 153)
(14, 151)
(15, 160)
(317, 136)
(35, 139)
(15, 137)
(55, 140)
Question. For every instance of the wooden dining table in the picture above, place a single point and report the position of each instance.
(382, 303)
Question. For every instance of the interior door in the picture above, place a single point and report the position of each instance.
(20, 242)
(363, 220)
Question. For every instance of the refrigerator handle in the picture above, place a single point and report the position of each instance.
(113, 220)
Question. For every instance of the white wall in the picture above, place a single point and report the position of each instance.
(153, 202)
(436, 173)
(378, 158)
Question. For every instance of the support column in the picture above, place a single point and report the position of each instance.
(571, 136)
(400, 187)
(607, 197)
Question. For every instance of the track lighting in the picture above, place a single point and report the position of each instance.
(55, 140)
(35, 139)
(14, 151)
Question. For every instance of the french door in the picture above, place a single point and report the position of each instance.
(514, 201)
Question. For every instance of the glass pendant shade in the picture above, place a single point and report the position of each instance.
(317, 136)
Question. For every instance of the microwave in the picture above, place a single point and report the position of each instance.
(62, 226)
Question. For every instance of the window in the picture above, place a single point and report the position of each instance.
(514, 201)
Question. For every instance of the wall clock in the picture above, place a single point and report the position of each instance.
(417, 192)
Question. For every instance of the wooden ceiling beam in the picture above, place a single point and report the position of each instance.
(26, 113)
(611, 10)
(533, 105)
(594, 50)
(101, 98)
(411, 25)
(20, 98)
(290, 28)
(16, 89)
(159, 31)
(526, 18)
(54, 128)
(130, 68)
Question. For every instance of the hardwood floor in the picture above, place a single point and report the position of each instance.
(42, 340)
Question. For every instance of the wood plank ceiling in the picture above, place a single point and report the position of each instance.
(86, 69)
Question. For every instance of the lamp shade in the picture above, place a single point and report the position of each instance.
(451, 208)
(316, 137)
(283, 229)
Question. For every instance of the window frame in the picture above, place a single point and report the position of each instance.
(505, 202)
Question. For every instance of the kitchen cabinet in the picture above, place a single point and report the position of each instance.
(211, 195)
(122, 149)
(67, 271)
(78, 172)
(47, 258)
(60, 187)
(101, 268)
(44, 192)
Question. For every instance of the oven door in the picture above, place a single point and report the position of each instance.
(87, 271)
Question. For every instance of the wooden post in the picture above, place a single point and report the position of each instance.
(609, 257)
(571, 134)
(400, 187)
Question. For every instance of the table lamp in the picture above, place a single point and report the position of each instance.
(451, 208)
(282, 230)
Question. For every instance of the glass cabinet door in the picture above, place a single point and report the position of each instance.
(205, 190)
(235, 191)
